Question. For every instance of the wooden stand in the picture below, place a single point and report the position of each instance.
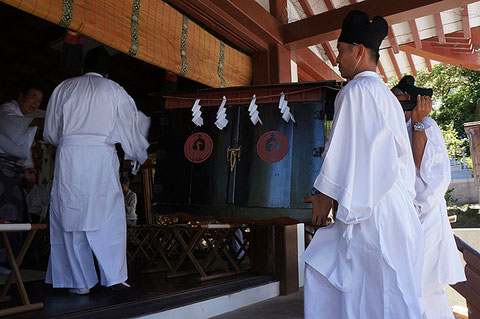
(216, 237)
(15, 264)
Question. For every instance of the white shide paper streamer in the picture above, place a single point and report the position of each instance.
(221, 115)
(285, 109)
(252, 110)
(196, 113)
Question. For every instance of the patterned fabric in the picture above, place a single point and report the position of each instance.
(183, 50)
(220, 64)
(151, 31)
(12, 200)
(134, 29)
(67, 13)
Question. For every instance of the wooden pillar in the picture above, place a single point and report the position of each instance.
(274, 251)
(147, 175)
(261, 74)
(273, 66)
(286, 258)
(280, 68)
(278, 9)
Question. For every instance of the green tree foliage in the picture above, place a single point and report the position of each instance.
(456, 92)
(455, 146)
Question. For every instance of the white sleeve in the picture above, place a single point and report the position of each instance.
(363, 161)
(130, 129)
(53, 118)
(434, 175)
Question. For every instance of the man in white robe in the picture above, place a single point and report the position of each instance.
(368, 263)
(16, 138)
(16, 116)
(442, 264)
(85, 117)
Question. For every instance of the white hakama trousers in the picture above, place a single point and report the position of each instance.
(374, 275)
(322, 299)
(71, 263)
(435, 303)
(442, 264)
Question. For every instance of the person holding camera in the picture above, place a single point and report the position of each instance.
(442, 263)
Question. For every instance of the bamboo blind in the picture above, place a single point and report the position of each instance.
(152, 31)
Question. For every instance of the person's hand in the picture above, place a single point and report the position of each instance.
(321, 207)
(423, 108)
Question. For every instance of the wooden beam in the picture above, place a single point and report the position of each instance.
(415, 35)
(394, 62)
(444, 55)
(382, 72)
(466, 23)
(440, 32)
(393, 39)
(329, 4)
(353, 1)
(453, 45)
(220, 23)
(310, 63)
(464, 50)
(326, 26)
(412, 65)
(475, 39)
(448, 40)
(278, 9)
(253, 16)
(307, 9)
(329, 52)
(297, 92)
(304, 76)
(457, 36)
(429, 64)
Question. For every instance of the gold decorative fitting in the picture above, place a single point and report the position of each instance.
(233, 154)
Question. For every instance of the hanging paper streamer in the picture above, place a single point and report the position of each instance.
(252, 109)
(196, 113)
(284, 109)
(221, 115)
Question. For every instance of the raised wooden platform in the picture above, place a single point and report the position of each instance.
(150, 293)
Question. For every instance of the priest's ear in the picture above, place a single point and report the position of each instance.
(360, 51)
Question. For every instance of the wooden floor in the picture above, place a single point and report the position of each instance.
(149, 293)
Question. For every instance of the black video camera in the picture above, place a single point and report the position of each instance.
(407, 85)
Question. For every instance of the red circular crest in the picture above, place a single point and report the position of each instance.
(272, 146)
(198, 147)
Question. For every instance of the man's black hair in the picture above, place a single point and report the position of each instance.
(26, 86)
(124, 180)
(97, 60)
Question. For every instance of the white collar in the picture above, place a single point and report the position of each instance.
(365, 73)
(93, 74)
(14, 107)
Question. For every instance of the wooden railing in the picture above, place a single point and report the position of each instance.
(470, 289)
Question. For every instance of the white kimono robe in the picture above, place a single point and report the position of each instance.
(442, 263)
(16, 137)
(368, 263)
(85, 117)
